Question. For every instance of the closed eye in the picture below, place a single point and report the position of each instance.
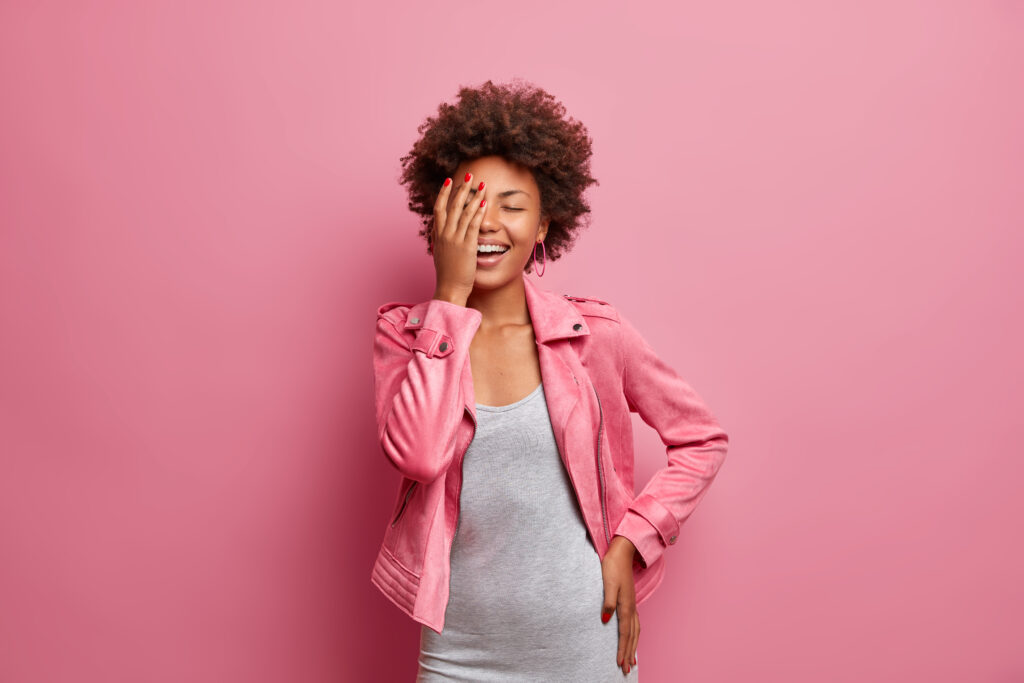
(507, 208)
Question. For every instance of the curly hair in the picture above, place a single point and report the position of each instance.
(524, 125)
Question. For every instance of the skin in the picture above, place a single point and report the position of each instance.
(503, 354)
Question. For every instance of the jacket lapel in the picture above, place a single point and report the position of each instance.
(566, 389)
(555, 321)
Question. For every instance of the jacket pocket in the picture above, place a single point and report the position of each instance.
(403, 503)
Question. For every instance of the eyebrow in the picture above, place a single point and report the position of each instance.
(506, 193)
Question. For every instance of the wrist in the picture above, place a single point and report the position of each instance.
(623, 545)
(450, 297)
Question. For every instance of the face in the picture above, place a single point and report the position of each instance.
(512, 215)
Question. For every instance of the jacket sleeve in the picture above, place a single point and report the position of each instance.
(695, 446)
(418, 387)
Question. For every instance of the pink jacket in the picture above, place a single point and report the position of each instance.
(596, 369)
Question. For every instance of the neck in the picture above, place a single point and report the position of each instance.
(505, 305)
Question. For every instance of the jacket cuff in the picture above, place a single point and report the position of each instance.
(650, 527)
(442, 327)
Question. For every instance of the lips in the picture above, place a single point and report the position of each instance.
(490, 258)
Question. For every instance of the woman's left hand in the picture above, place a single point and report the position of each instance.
(620, 595)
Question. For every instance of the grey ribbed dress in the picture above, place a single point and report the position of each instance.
(526, 587)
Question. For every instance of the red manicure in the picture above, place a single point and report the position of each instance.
(467, 178)
(481, 186)
(447, 182)
(606, 616)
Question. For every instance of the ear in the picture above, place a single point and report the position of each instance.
(542, 231)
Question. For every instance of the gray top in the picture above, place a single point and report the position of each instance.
(526, 586)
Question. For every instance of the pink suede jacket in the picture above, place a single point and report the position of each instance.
(596, 370)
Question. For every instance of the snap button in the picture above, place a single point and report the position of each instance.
(672, 539)
(577, 326)
(414, 320)
(444, 346)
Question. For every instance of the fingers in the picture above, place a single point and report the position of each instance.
(629, 626)
(441, 203)
(636, 638)
(620, 596)
(613, 590)
(611, 596)
(625, 638)
(457, 218)
(448, 209)
(474, 225)
(629, 635)
(473, 213)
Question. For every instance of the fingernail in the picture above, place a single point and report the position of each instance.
(627, 668)
(481, 186)
(447, 182)
(468, 176)
(605, 617)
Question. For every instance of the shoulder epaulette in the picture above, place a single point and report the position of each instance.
(585, 298)
(588, 305)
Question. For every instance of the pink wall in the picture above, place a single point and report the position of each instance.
(813, 210)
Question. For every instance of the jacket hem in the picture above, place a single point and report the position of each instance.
(399, 585)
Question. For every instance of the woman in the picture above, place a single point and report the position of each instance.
(517, 540)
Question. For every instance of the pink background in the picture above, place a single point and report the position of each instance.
(813, 210)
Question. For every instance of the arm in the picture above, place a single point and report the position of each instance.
(418, 387)
(695, 446)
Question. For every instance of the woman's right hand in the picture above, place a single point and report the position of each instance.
(454, 235)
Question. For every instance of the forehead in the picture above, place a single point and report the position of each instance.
(495, 170)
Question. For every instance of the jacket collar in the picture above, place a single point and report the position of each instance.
(553, 316)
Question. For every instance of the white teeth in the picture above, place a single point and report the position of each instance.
(482, 248)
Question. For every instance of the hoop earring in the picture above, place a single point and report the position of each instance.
(543, 259)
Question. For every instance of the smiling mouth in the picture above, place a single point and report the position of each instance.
(490, 257)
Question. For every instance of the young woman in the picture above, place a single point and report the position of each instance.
(517, 540)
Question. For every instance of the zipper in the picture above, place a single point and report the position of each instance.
(600, 471)
(408, 494)
(572, 482)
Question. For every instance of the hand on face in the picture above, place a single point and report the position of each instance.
(454, 239)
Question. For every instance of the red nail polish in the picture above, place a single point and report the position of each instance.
(606, 616)
(482, 202)
(447, 182)
(481, 186)
(467, 178)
